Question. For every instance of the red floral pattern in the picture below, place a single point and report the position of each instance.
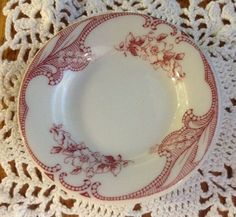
(51, 61)
(156, 50)
(82, 158)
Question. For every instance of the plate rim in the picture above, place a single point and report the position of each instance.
(133, 201)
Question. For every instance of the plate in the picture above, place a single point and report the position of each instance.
(118, 107)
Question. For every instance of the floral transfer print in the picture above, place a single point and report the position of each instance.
(156, 50)
(82, 159)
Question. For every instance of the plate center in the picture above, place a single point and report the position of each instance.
(118, 105)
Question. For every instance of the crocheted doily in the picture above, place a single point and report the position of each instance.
(25, 191)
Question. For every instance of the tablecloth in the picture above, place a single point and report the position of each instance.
(25, 191)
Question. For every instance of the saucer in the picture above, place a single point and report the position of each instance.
(118, 107)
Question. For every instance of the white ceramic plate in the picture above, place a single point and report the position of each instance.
(120, 106)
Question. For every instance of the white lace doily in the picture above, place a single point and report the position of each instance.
(24, 191)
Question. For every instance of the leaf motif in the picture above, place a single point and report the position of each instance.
(179, 56)
(139, 40)
(109, 159)
(69, 160)
(203, 140)
(56, 149)
(76, 171)
(165, 65)
(115, 169)
(102, 168)
(133, 50)
(48, 49)
(168, 55)
(129, 37)
(65, 41)
(121, 45)
(161, 37)
(49, 69)
(125, 163)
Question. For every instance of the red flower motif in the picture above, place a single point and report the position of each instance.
(134, 43)
(90, 172)
(156, 50)
(82, 159)
(108, 159)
